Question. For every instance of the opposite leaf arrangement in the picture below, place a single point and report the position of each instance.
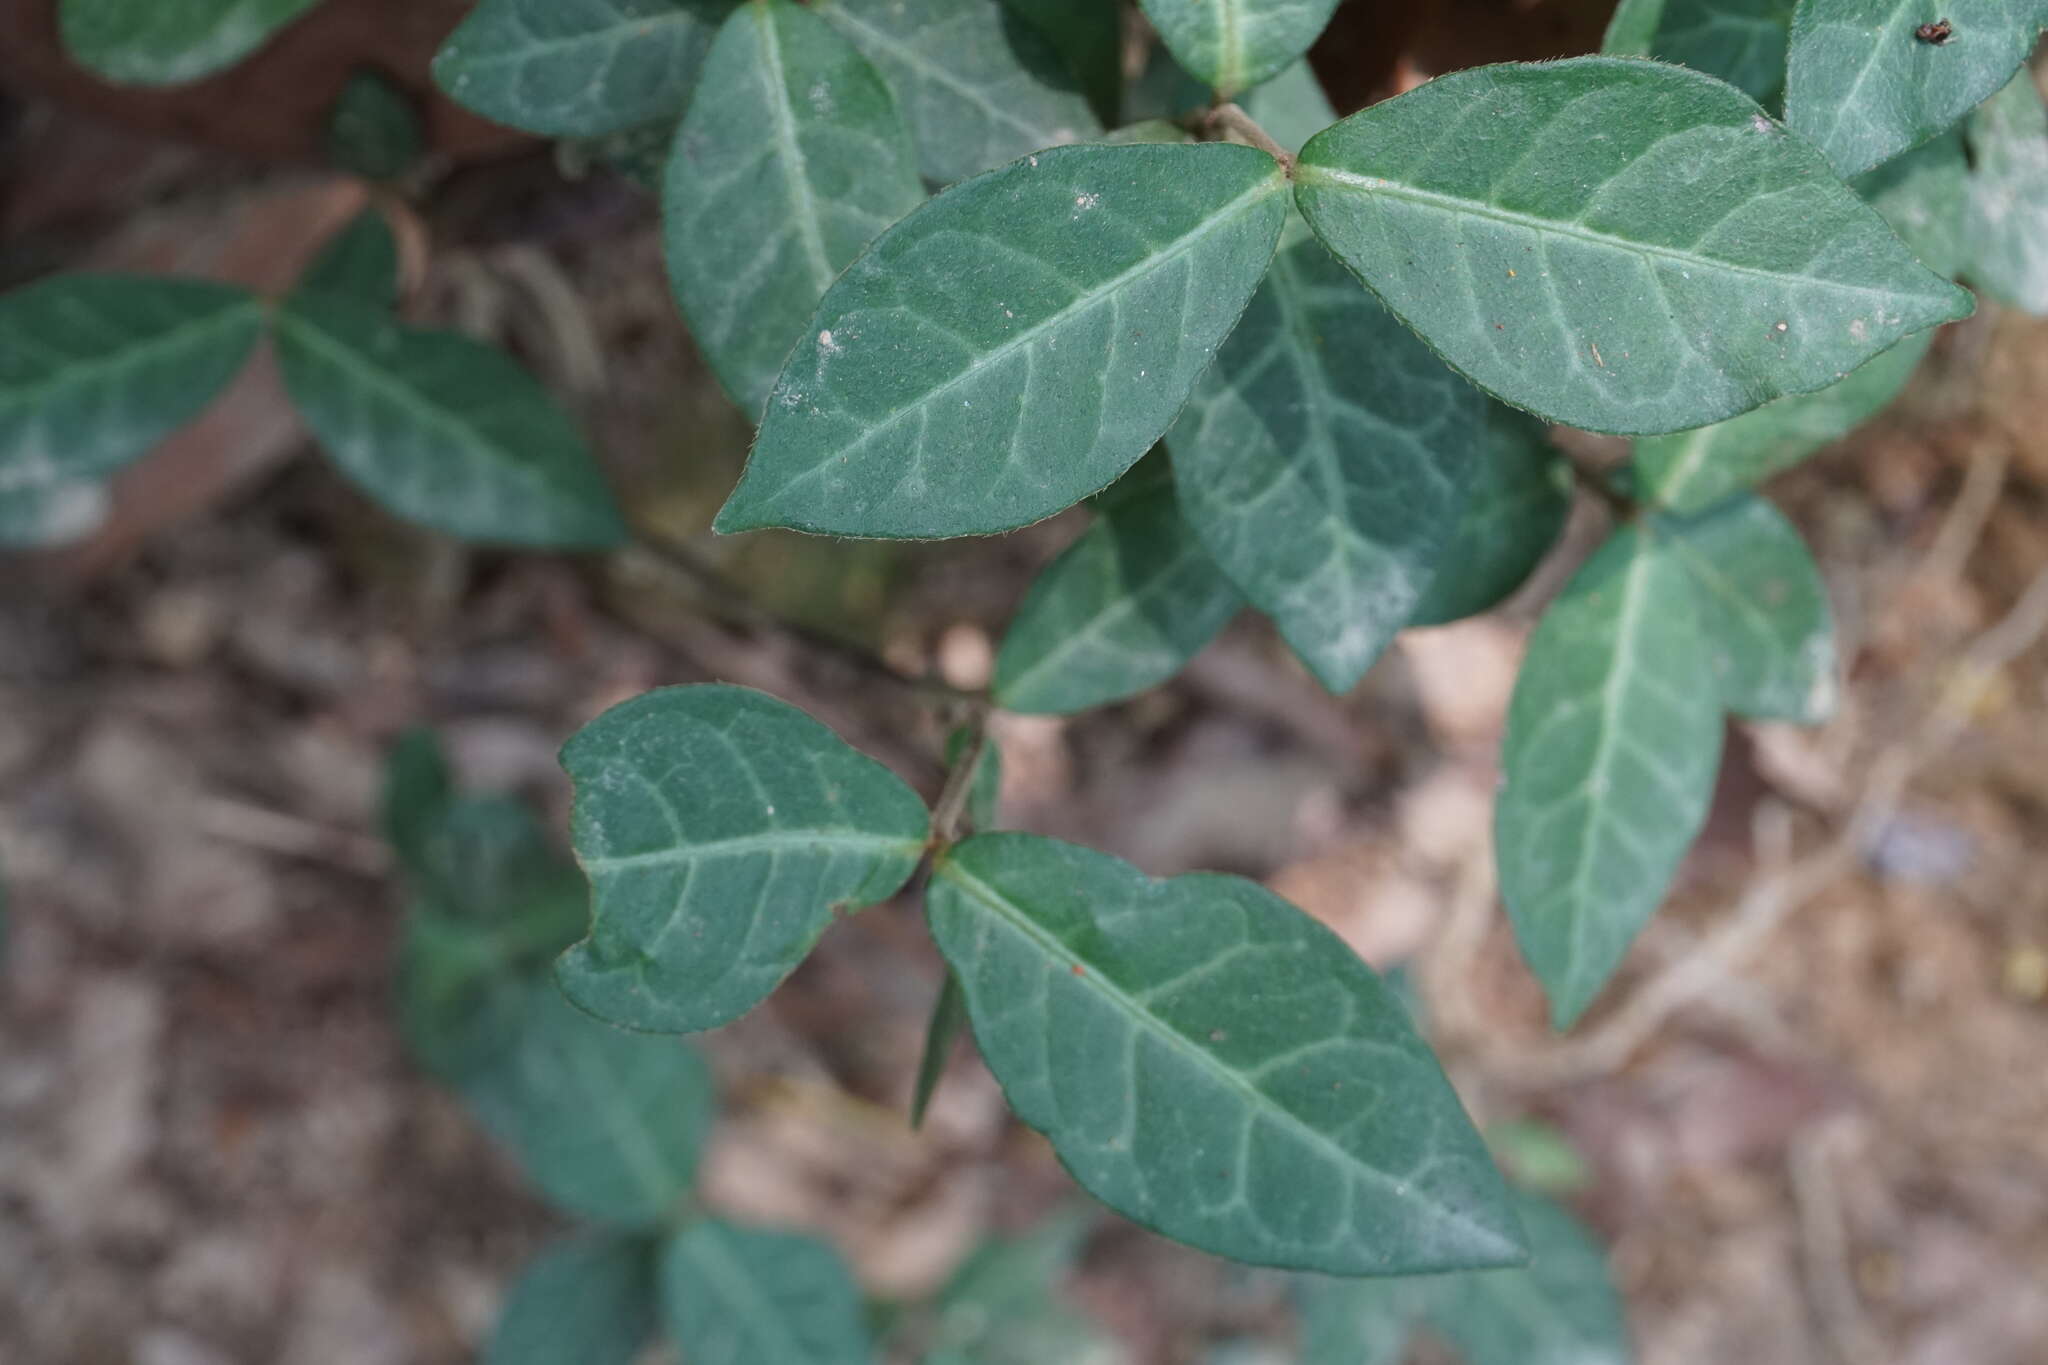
(1345, 357)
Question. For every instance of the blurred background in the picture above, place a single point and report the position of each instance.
(1810, 1119)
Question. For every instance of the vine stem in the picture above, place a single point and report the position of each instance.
(950, 820)
(1230, 120)
(730, 601)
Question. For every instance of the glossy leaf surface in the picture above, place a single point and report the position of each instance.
(1014, 345)
(979, 85)
(721, 830)
(360, 262)
(1742, 41)
(1121, 610)
(2007, 221)
(792, 158)
(1644, 252)
(744, 1296)
(1235, 44)
(1613, 739)
(1562, 1309)
(1323, 460)
(1764, 609)
(1923, 194)
(96, 369)
(578, 68)
(1214, 1063)
(1690, 471)
(1520, 494)
(442, 430)
(167, 42)
(1863, 87)
(590, 1300)
(608, 1124)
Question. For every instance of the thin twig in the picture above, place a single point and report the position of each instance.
(951, 820)
(726, 599)
(1231, 121)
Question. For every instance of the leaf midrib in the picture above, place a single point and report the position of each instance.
(835, 841)
(429, 413)
(642, 1153)
(1141, 1018)
(1607, 745)
(1377, 185)
(1082, 303)
(1229, 45)
(759, 1312)
(79, 372)
(795, 167)
(931, 71)
(1089, 634)
(611, 35)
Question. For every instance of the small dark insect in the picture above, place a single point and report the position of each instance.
(1936, 33)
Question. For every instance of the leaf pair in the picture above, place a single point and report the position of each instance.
(440, 429)
(1204, 1057)
(608, 1124)
(1863, 83)
(1614, 731)
(1645, 253)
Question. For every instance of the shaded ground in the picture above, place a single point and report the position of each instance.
(1813, 1108)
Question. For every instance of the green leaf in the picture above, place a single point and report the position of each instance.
(742, 1296)
(1863, 88)
(1121, 610)
(949, 1013)
(1013, 345)
(418, 791)
(1235, 44)
(1089, 35)
(1742, 41)
(95, 370)
(1291, 107)
(1001, 1306)
(360, 262)
(442, 430)
(1538, 1156)
(494, 903)
(374, 131)
(590, 1300)
(608, 1124)
(1764, 609)
(578, 68)
(721, 830)
(1323, 460)
(1922, 195)
(1561, 1310)
(1689, 471)
(2007, 221)
(1514, 512)
(151, 42)
(791, 159)
(1613, 739)
(1212, 1062)
(979, 85)
(1648, 252)
(1358, 1322)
